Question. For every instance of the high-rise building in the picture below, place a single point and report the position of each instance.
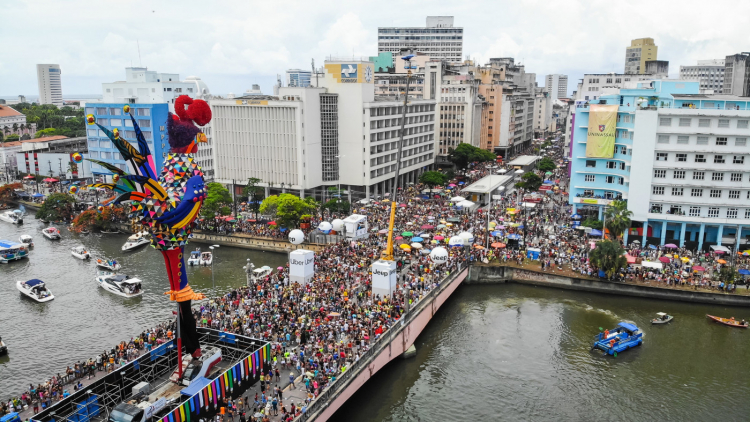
(640, 51)
(337, 133)
(737, 75)
(682, 154)
(594, 85)
(151, 96)
(710, 74)
(298, 77)
(48, 77)
(658, 68)
(439, 39)
(556, 86)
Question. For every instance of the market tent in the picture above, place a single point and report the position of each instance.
(649, 264)
(743, 271)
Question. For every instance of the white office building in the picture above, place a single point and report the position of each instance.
(307, 139)
(710, 74)
(49, 80)
(143, 86)
(594, 85)
(557, 86)
(439, 39)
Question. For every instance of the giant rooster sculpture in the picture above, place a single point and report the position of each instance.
(166, 206)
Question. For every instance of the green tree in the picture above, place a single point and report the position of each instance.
(530, 181)
(466, 153)
(12, 138)
(617, 217)
(286, 209)
(254, 194)
(433, 178)
(46, 132)
(336, 206)
(728, 274)
(608, 256)
(546, 164)
(57, 207)
(593, 223)
(218, 202)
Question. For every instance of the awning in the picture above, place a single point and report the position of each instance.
(649, 264)
(719, 248)
(744, 271)
(195, 386)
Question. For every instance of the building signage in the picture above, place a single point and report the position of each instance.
(251, 102)
(384, 278)
(592, 201)
(600, 141)
(301, 266)
(349, 73)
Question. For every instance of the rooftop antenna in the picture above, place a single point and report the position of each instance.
(316, 73)
(139, 53)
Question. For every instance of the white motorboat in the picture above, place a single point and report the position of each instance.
(195, 257)
(15, 216)
(207, 258)
(119, 284)
(12, 251)
(35, 290)
(111, 265)
(136, 241)
(51, 233)
(260, 273)
(27, 240)
(80, 252)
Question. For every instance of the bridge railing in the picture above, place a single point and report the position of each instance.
(334, 389)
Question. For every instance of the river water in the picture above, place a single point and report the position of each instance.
(83, 320)
(521, 353)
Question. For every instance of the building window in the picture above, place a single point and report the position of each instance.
(590, 163)
(723, 122)
(704, 122)
(677, 191)
(696, 192)
(695, 211)
(734, 194)
(658, 190)
(747, 213)
(611, 164)
(660, 174)
(610, 179)
(738, 159)
(702, 140)
(662, 156)
(732, 213)
(715, 193)
(740, 142)
(742, 124)
(678, 174)
(721, 140)
(683, 139)
(713, 212)
(719, 159)
(665, 121)
(656, 208)
(589, 178)
(699, 175)
(717, 177)
(663, 139)
(682, 158)
(588, 192)
(700, 158)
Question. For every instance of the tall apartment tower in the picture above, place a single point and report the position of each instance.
(298, 77)
(50, 84)
(556, 86)
(737, 75)
(710, 73)
(640, 51)
(439, 39)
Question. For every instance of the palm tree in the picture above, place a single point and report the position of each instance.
(609, 257)
(6, 129)
(15, 128)
(618, 217)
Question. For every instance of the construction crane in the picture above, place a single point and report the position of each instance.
(387, 254)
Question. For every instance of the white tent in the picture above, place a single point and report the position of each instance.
(649, 264)
(465, 204)
(458, 199)
(720, 248)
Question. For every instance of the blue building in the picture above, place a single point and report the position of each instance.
(681, 161)
(151, 118)
(298, 77)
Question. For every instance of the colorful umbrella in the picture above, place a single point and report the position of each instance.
(721, 261)
(417, 239)
(427, 227)
(383, 231)
(438, 237)
(664, 259)
(407, 234)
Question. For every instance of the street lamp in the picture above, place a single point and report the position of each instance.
(213, 258)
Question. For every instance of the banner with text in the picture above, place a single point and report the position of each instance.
(600, 142)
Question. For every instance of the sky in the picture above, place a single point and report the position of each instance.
(234, 44)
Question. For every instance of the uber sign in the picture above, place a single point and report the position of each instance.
(349, 73)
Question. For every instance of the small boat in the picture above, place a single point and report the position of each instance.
(261, 272)
(618, 339)
(15, 216)
(3, 347)
(195, 257)
(12, 251)
(120, 284)
(27, 240)
(51, 233)
(80, 252)
(663, 318)
(107, 264)
(35, 290)
(206, 259)
(729, 321)
(110, 232)
(136, 241)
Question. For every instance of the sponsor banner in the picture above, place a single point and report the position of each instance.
(383, 278)
(600, 141)
(301, 266)
(251, 102)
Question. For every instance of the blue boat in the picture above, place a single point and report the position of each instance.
(619, 339)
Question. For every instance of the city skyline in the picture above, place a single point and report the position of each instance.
(250, 43)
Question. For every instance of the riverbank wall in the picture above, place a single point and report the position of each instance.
(255, 243)
(396, 341)
(492, 274)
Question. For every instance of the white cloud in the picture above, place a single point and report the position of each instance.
(235, 43)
